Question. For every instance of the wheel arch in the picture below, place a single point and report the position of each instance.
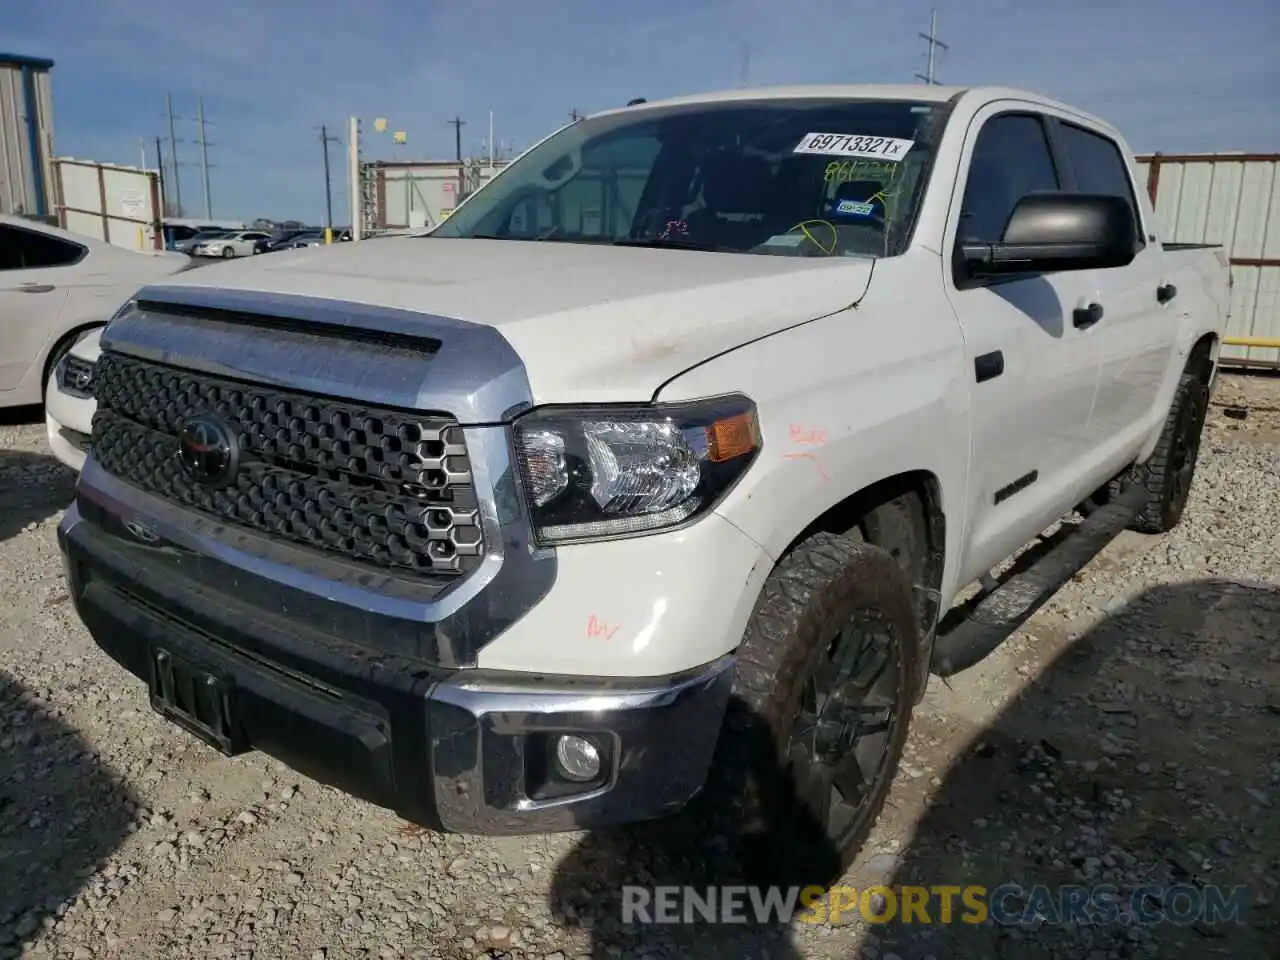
(1202, 361)
(905, 515)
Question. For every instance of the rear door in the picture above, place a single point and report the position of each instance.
(1034, 374)
(35, 273)
(1136, 333)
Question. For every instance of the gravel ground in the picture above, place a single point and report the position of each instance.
(1127, 736)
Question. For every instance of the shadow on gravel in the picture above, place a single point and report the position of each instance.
(33, 487)
(1146, 755)
(698, 849)
(21, 416)
(61, 815)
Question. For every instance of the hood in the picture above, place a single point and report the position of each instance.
(592, 323)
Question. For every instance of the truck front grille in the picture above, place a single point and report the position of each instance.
(388, 489)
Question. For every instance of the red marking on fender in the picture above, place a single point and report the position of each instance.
(801, 435)
(599, 628)
(811, 458)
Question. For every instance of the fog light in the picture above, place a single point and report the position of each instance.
(577, 758)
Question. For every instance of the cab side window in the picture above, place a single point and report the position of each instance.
(1099, 166)
(1011, 159)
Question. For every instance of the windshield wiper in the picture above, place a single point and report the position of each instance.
(674, 243)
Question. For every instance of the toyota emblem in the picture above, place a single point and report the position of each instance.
(208, 450)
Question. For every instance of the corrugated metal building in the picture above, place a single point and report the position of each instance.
(421, 193)
(1231, 199)
(26, 135)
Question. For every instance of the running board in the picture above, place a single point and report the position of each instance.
(998, 614)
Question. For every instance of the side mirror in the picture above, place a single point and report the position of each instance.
(1050, 232)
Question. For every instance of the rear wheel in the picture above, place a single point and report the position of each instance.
(823, 695)
(1168, 474)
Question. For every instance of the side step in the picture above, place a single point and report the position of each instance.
(998, 614)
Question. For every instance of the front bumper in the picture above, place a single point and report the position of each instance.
(457, 750)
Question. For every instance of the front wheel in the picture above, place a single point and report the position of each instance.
(227, 253)
(823, 695)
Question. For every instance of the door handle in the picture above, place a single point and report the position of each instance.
(36, 288)
(1084, 317)
(1166, 292)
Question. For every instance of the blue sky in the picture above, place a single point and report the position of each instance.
(1175, 75)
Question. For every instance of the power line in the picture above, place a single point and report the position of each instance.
(934, 44)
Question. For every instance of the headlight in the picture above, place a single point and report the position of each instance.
(603, 472)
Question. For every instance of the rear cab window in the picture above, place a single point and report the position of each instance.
(1099, 167)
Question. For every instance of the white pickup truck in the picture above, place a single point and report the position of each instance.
(690, 424)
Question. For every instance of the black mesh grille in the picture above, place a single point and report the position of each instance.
(382, 487)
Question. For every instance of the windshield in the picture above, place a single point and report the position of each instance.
(812, 177)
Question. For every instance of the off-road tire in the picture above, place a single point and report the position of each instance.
(1167, 476)
(823, 583)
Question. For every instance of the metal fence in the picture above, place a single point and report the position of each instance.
(118, 204)
(412, 194)
(1232, 199)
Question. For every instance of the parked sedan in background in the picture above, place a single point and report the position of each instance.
(303, 240)
(279, 240)
(56, 286)
(240, 244)
(189, 244)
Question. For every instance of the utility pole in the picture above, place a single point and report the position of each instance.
(204, 159)
(574, 115)
(491, 141)
(357, 184)
(458, 123)
(325, 140)
(173, 154)
(934, 43)
(160, 167)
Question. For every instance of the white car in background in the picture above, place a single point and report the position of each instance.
(56, 286)
(69, 404)
(239, 244)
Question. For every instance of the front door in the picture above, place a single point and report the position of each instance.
(1033, 372)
